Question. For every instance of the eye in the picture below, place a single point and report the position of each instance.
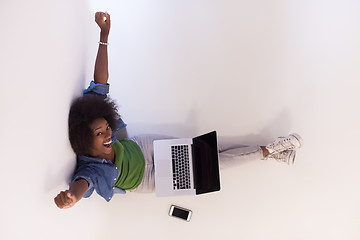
(99, 133)
(108, 127)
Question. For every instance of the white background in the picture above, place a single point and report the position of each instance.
(252, 70)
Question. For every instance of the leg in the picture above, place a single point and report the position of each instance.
(281, 149)
(232, 154)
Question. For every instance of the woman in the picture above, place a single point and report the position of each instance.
(110, 165)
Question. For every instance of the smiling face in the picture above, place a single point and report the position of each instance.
(101, 145)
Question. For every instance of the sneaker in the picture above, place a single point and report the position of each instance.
(292, 142)
(287, 156)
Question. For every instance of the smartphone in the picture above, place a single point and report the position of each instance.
(179, 212)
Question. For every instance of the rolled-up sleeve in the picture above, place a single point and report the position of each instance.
(97, 89)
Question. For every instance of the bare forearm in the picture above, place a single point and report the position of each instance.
(101, 72)
(79, 188)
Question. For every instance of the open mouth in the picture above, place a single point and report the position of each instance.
(107, 144)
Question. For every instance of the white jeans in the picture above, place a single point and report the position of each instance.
(229, 155)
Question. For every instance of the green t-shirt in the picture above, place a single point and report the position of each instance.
(131, 163)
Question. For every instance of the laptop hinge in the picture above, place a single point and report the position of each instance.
(193, 165)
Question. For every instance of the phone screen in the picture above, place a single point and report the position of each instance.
(180, 213)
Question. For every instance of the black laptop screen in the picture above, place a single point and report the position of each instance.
(206, 163)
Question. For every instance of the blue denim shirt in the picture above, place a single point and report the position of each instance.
(101, 174)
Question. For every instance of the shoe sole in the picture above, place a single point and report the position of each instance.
(292, 157)
(300, 140)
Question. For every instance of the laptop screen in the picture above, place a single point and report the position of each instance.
(206, 163)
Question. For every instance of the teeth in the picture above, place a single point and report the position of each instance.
(107, 143)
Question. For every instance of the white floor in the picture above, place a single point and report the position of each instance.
(252, 70)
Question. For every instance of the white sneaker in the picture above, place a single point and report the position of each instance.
(287, 156)
(292, 142)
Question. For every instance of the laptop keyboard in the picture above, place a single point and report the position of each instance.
(181, 169)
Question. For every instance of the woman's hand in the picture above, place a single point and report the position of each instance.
(65, 199)
(68, 198)
(103, 20)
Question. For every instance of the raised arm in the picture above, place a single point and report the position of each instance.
(101, 73)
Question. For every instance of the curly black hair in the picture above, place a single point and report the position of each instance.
(83, 111)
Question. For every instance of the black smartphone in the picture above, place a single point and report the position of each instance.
(179, 212)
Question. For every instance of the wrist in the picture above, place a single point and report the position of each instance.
(104, 37)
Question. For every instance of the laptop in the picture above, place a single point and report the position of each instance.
(187, 166)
